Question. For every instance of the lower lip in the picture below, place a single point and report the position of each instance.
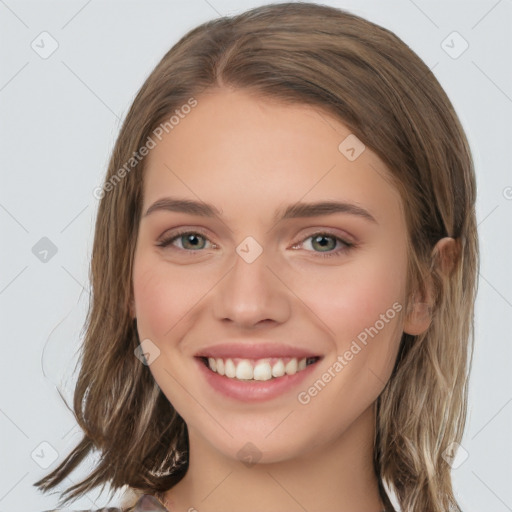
(254, 390)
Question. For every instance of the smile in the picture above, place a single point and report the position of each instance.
(257, 369)
(252, 371)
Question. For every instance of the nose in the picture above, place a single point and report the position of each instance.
(252, 294)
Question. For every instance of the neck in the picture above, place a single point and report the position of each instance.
(337, 476)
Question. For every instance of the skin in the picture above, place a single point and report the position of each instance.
(250, 156)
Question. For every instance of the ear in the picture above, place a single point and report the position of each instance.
(448, 250)
(418, 319)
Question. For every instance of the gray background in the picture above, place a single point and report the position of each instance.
(59, 119)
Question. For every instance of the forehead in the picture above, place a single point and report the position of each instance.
(247, 153)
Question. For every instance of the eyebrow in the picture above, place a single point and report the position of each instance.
(292, 211)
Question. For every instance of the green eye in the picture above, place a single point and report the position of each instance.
(191, 240)
(321, 241)
(323, 244)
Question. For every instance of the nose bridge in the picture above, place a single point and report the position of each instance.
(250, 292)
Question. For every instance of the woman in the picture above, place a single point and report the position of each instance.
(233, 359)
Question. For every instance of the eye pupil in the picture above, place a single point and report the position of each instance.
(323, 244)
(192, 240)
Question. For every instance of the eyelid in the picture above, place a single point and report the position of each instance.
(347, 241)
(165, 241)
(335, 233)
(344, 236)
(346, 248)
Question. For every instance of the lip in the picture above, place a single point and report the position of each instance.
(254, 351)
(253, 391)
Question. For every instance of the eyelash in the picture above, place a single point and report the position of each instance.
(339, 252)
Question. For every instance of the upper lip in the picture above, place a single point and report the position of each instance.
(259, 350)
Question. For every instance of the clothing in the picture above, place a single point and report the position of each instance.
(146, 503)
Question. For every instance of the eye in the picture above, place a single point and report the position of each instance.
(190, 240)
(325, 241)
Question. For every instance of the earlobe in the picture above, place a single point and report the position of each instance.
(419, 318)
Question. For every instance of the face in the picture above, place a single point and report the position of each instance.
(307, 306)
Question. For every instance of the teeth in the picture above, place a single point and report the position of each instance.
(278, 369)
(229, 369)
(262, 369)
(244, 370)
(291, 367)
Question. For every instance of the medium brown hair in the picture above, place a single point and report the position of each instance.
(383, 92)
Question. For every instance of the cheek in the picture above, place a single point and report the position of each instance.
(354, 297)
(362, 306)
(364, 314)
(162, 297)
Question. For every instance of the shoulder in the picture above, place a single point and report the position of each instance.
(144, 503)
(110, 509)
